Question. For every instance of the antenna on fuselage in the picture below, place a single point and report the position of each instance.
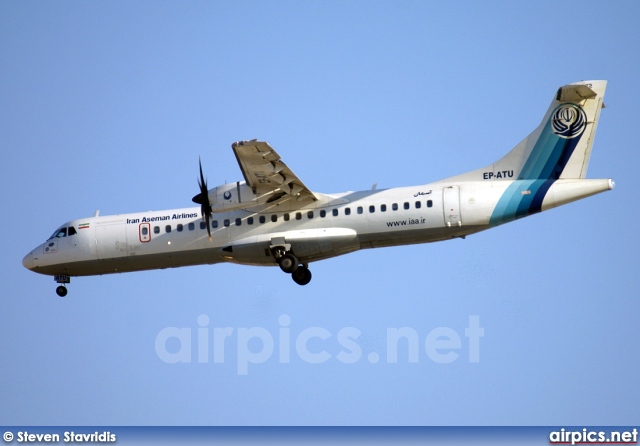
(96, 213)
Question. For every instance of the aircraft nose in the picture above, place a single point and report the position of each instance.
(28, 262)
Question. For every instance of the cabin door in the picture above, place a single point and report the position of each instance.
(451, 206)
(111, 239)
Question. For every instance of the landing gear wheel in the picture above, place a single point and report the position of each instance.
(288, 263)
(279, 252)
(61, 291)
(302, 275)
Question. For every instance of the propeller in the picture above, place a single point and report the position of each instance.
(203, 200)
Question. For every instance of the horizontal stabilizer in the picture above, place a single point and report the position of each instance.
(575, 93)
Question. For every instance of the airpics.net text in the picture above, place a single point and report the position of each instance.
(257, 345)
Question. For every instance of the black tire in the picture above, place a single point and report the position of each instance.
(61, 291)
(288, 263)
(301, 276)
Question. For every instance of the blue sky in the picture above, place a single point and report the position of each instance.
(109, 105)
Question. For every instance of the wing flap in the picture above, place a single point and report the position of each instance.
(266, 173)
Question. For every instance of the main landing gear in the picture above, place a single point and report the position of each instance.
(63, 279)
(302, 275)
(290, 264)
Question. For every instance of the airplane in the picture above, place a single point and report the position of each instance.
(273, 219)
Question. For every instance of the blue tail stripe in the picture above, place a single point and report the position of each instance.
(565, 154)
(540, 153)
(513, 204)
(526, 199)
(549, 155)
(507, 206)
(553, 159)
(545, 164)
(536, 203)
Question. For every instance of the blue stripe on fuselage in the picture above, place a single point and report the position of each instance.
(522, 198)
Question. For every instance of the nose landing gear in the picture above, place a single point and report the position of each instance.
(63, 279)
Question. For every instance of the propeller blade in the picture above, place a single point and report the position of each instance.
(206, 218)
(203, 200)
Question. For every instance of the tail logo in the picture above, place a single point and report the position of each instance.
(568, 121)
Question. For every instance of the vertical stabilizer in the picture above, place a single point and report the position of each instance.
(560, 147)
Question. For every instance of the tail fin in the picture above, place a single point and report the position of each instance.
(560, 147)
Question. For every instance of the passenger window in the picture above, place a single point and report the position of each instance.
(145, 230)
(250, 220)
(372, 209)
(238, 221)
(406, 205)
(214, 224)
(262, 219)
(72, 231)
(227, 222)
(394, 206)
(203, 225)
(191, 226)
(335, 212)
(418, 204)
(298, 216)
(310, 214)
(383, 208)
(167, 229)
(156, 229)
(180, 227)
(429, 203)
(286, 217)
(347, 211)
(360, 210)
(323, 213)
(274, 218)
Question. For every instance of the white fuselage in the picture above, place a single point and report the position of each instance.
(273, 218)
(334, 225)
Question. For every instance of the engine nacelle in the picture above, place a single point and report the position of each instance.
(234, 196)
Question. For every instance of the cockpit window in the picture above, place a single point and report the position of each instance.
(62, 232)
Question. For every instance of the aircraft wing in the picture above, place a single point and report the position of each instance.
(265, 172)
